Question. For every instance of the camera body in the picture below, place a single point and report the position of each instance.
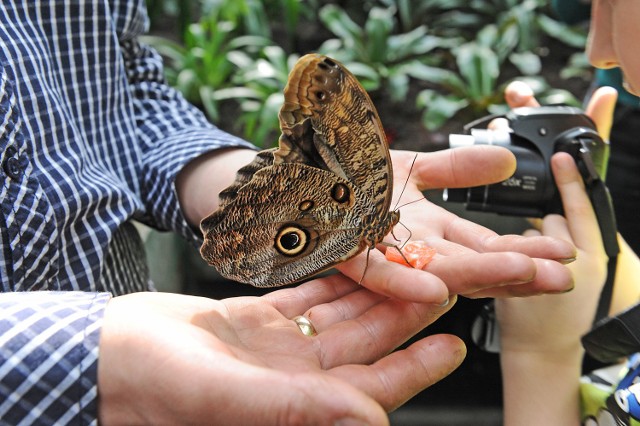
(535, 135)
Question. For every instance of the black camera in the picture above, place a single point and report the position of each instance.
(535, 135)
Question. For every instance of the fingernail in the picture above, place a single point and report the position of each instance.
(444, 304)
(568, 290)
(567, 260)
(349, 421)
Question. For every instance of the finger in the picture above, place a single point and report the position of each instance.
(294, 301)
(391, 279)
(458, 168)
(551, 278)
(519, 94)
(499, 124)
(347, 307)
(471, 272)
(300, 398)
(556, 225)
(376, 332)
(532, 233)
(399, 376)
(535, 222)
(582, 222)
(600, 109)
(484, 240)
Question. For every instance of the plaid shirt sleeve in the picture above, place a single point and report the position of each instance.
(48, 357)
(166, 123)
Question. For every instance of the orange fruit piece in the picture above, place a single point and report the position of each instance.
(418, 253)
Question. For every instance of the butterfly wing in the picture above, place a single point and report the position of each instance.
(323, 98)
(318, 199)
(288, 222)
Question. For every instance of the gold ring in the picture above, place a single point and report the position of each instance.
(305, 325)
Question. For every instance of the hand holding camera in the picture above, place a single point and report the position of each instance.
(546, 183)
(534, 135)
(559, 317)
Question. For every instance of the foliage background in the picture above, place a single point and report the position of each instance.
(429, 65)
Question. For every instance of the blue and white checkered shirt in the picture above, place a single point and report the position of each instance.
(90, 138)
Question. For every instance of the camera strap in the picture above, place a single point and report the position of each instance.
(603, 207)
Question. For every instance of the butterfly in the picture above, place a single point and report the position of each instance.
(319, 198)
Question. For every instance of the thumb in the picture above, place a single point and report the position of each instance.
(304, 398)
(600, 109)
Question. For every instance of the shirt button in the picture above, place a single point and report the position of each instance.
(11, 164)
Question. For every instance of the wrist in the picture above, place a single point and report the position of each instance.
(541, 387)
(549, 348)
(201, 180)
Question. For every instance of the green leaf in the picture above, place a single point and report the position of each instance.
(366, 75)
(559, 97)
(377, 30)
(479, 67)
(572, 36)
(578, 67)
(528, 63)
(209, 103)
(398, 86)
(438, 108)
(167, 48)
(339, 23)
(434, 75)
(237, 93)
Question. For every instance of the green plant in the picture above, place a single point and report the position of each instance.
(258, 90)
(378, 56)
(259, 17)
(249, 16)
(179, 11)
(201, 67)
(514, 39)
(475, 88)
(413, 13)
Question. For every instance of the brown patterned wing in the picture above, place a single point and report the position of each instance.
(320, 198)
(289, 222)
(340, 126)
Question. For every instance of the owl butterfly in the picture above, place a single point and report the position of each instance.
(318, 199)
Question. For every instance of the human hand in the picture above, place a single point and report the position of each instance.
(555, 323)
(472, 260)
(173, 359)
(541, 355)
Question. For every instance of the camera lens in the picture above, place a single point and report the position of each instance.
(456, 195)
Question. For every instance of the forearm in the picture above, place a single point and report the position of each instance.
(626, 289)
(201, 180)
(541, 388)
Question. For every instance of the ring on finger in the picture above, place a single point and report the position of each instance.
(305, 326)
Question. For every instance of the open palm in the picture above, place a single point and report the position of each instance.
(244, 361)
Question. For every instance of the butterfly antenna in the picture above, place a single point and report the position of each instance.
(417, 200)
(366, 266)
(406, 182)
